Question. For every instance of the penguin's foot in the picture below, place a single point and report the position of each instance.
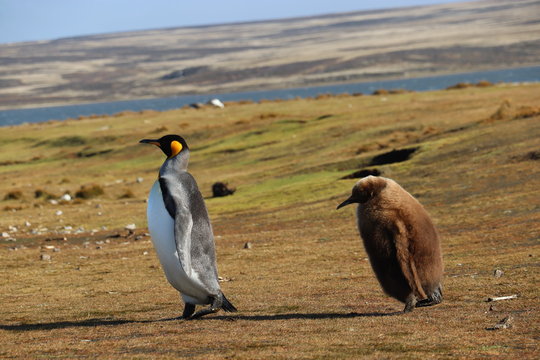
(433, 299)
(410, 303)
(189, 309)
(203, 312)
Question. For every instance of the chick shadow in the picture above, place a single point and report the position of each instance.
(301, 316)
(109, 322)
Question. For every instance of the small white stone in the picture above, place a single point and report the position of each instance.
(13, 228)
(45, 257)
(130, 227)
(27, 223)
(53, 202)
(66, 197)
(140, 180)
(59, 212)
(5, 234)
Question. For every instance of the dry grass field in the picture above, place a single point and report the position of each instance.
(76, 284)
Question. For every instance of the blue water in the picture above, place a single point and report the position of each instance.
(19, 116)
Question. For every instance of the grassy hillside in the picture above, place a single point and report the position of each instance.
(305, 288)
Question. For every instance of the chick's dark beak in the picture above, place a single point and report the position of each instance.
(346, 202)
(150, 141)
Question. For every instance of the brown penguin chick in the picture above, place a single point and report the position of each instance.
(401, 241)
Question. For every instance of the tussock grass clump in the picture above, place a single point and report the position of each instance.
(507, 111)
(12, 208)
(40, 193)
(484, 83)
(389, 92)
(244, 102)
(323, 96)
(13, 195)
(160, 129)
(399, 91)
(459, 85)
(504, 111)
(92, 116)
(65, 141)
(90, 152)
(526, 112)
(127, 194)
(465, 85)
(267, 116)
(124, 113)
(89, 191)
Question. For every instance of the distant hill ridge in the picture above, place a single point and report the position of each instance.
(334, 48)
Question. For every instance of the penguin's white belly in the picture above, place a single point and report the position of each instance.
(161, 227)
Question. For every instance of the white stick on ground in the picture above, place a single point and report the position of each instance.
(501, 298)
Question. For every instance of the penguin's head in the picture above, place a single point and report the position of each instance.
(364, 190)
(171, 145)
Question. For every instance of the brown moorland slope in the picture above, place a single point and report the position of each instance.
(357, 46)
(75, 284)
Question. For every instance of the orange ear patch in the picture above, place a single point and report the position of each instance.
(176, 147)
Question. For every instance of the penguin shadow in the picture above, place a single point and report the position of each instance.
(82, 323)
(109, 322)
(300, 316)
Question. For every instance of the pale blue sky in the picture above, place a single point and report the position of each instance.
(28, 20)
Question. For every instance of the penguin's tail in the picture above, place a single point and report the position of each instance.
(227, 305)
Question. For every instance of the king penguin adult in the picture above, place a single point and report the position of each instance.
(181, 231)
